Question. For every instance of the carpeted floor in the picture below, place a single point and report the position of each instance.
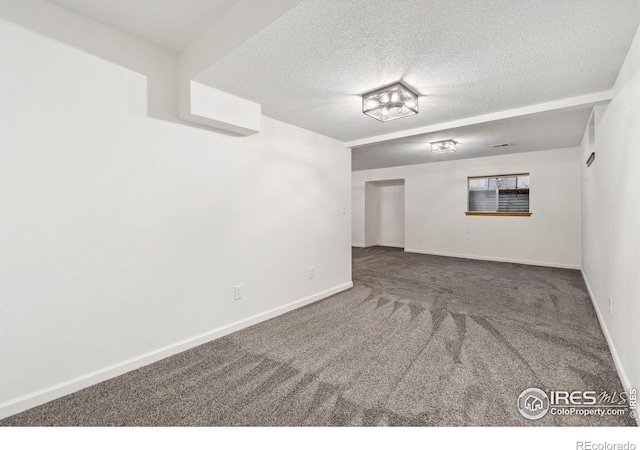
(420, 340)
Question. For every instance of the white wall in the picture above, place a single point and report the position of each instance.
(391, 215)
(436, 200)
(611, 217)
(371, 214)
(358, 213)
(122, 236)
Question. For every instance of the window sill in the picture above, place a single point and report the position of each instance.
(508, 214)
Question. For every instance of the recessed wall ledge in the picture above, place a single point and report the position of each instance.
(217, 109)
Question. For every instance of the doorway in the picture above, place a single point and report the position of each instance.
(384, 213)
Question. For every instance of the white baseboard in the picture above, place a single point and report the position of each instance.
(45, 395)
(490, 258)
(377, 245)
(626, 384)
(392, 245)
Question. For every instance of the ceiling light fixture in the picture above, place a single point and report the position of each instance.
(390, 103)
(443, 146)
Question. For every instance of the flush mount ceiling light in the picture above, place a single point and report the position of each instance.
(443, 146)
(390, 103)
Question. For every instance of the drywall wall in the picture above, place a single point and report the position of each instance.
(436, 200)
(357, 217)
(611, 217)
(122, 235)
(372, 214)
(391, 232)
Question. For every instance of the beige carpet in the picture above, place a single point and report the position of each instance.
(419, 341)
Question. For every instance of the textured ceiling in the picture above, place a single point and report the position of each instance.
(525, 134)
(465, 58)
(170, 24)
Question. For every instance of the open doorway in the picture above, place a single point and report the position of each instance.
(384, 213)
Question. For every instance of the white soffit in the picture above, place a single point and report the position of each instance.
(544, 131)
(217, 109)
(170, 24)
(202, 31)
(466, 59)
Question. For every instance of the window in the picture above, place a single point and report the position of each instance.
(499, 195)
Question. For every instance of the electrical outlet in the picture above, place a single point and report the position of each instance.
(344, 209)
(610, 306)
(237, 292)
(312, 272)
